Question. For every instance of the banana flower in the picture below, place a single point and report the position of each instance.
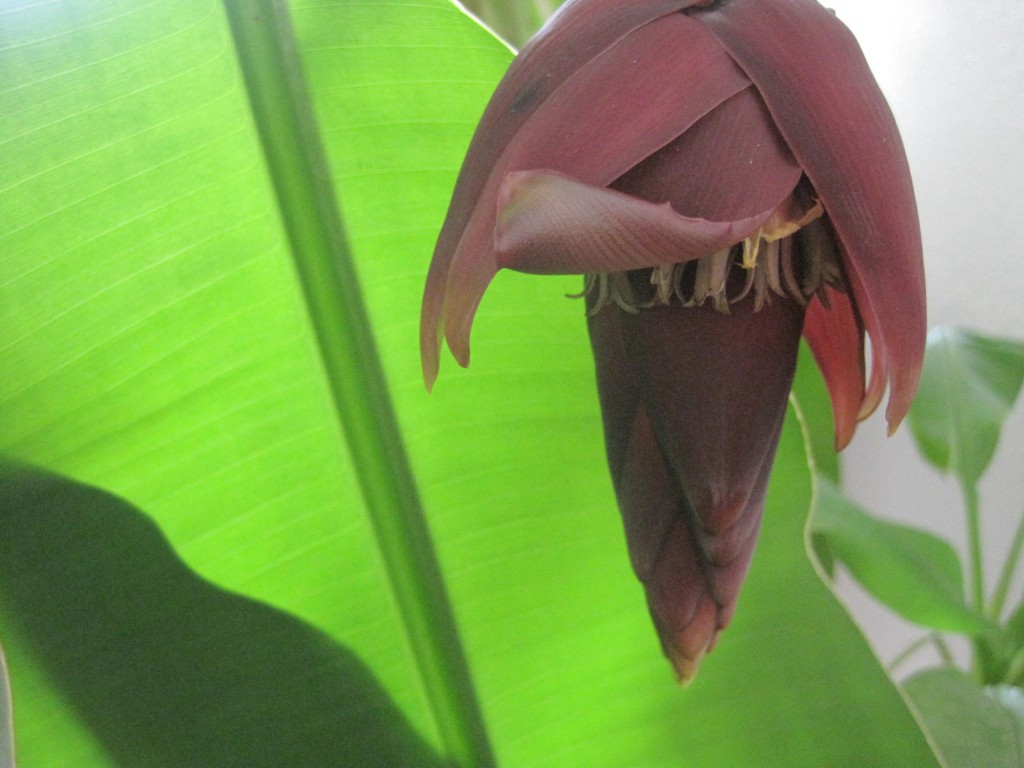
(729, 177)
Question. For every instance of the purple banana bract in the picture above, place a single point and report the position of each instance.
(729, 177)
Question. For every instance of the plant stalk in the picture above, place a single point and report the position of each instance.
(298, 166)
(998, 601)
(943, 649)
(974, 544)
(908, 652)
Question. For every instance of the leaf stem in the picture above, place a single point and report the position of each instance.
(298, 167)
(998, 602)
(943, 649)
(908, 652)
(932, 638)
(972, 507)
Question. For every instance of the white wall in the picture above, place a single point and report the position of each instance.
(954, 75)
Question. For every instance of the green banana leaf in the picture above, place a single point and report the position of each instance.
(189, 574)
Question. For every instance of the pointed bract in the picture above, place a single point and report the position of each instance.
(812, 75)
(836, 339)
(551, 224)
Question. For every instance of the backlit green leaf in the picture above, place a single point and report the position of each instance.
(156, 345)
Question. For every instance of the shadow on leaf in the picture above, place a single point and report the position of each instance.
(167, 669)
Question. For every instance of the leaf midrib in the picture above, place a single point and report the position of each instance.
(354, 376)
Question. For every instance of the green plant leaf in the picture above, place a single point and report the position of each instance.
(915, 573)
(971, 725)
(968, 386)
(156, 345)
